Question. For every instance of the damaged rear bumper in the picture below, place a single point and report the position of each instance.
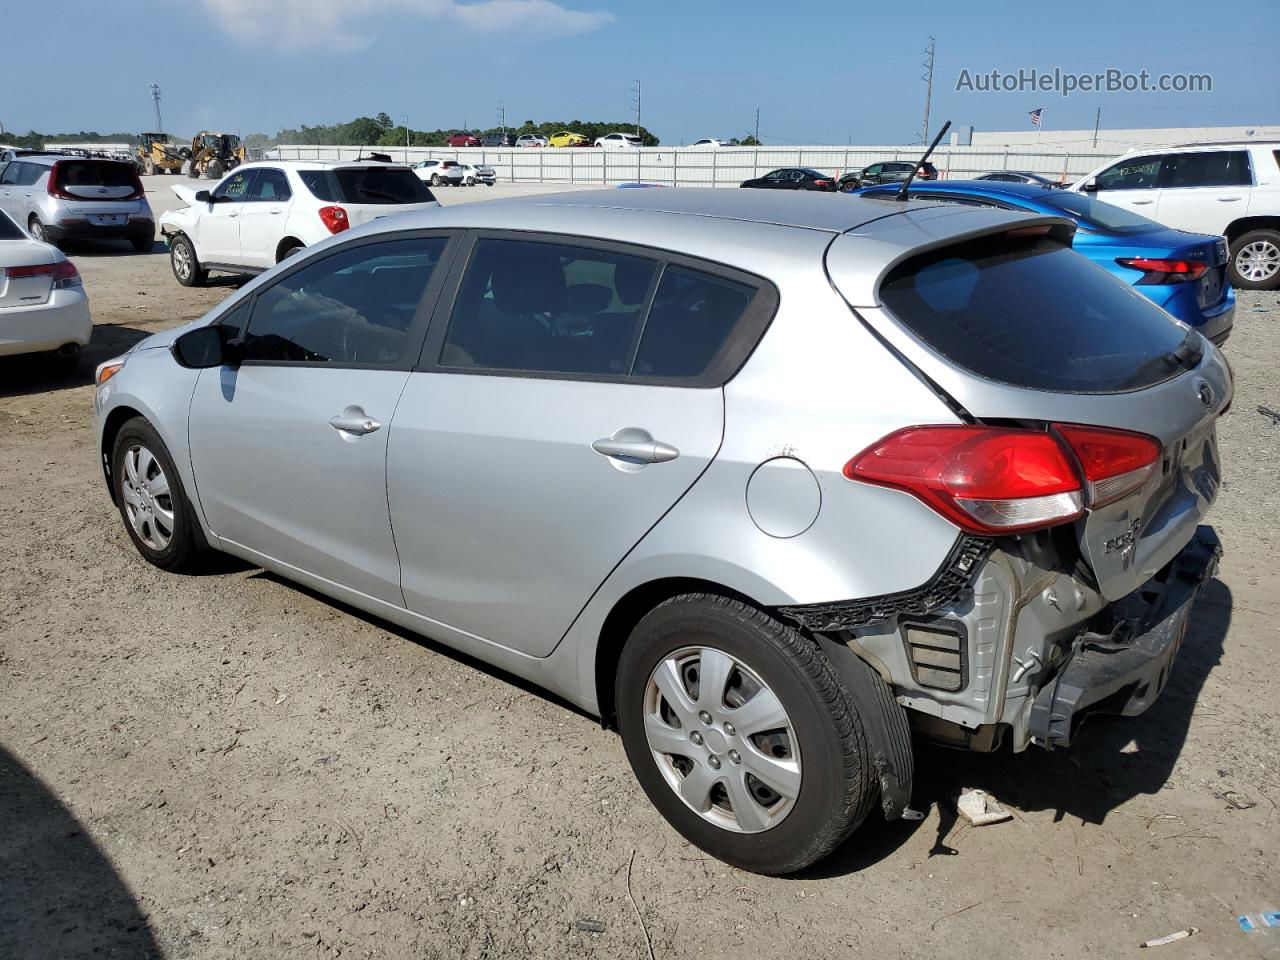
(1124, 671)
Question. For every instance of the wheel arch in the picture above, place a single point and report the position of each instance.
(1238, 228)
(285, 245)
(116, 419)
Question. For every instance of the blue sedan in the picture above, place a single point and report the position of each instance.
(1185, 273)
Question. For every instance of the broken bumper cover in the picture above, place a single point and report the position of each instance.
(1125, 671)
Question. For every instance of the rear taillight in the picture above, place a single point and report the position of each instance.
(1115, 462)
(335, 218)
(822, 183)
(63, 274)
(997, 480)
(1164, 271)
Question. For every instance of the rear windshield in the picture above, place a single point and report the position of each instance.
(95, 173)
(9, 230)
(1097, 215)
(372, 185)
(1031, 313)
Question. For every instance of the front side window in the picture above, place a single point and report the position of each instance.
(351, 308)
(236, 187)
(1209, 168)
(1136, 173)
(271, 184)
(547, 308)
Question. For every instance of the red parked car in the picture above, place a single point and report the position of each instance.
(464, 140)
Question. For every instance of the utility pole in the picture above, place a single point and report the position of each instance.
(406, 137)
(927, 77)
(756, 135)
(155, 95)
(1097, 119)
(502, 119)
(635, 98)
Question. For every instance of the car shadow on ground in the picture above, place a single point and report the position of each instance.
(1111, 761)
(43, 373)
(109, 248)
(60, 896)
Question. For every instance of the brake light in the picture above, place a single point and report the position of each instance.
(63, 274)
(996, 480)
(36, 270)
(986, 480)
(1164, 271)
(335, 219)
(822, 183)
(1115, 462)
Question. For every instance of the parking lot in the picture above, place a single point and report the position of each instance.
(231, 766)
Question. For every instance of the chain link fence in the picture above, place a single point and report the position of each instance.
(709, 167)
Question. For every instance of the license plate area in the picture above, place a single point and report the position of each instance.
(108, 219)
(1212, 287)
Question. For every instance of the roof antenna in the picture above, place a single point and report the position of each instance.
(906, 184)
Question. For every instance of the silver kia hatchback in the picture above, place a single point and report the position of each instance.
(58, 197)
(770, 483)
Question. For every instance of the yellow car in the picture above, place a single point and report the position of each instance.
(566, 139)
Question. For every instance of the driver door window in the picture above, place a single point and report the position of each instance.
(354, 308)
(235, 188)
(1138, 173)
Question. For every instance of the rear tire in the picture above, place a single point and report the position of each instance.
(149, 167)
(184, 262)
(37, 231)
(215, 170)
(153, 504)
(435, 179)
(1255, 260)
(812, 745)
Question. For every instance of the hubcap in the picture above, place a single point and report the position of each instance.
(182, 259)
(147, 501)
(1258, 261)
(722, 740)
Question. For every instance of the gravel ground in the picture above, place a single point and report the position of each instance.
(229, 766)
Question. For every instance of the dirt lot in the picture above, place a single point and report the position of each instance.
(228, 766)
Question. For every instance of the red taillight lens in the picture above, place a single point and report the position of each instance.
(38, 270)
(335, 219)
(985, 480)
(1115, 462)
(822, 183)
(65, 275)
(1164, 271)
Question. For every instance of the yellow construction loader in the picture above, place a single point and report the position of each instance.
(157, 153)
(214, 154)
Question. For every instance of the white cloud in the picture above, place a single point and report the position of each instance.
(337, 24)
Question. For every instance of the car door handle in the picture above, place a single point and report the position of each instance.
(1229, 199)
(232, 213)
(1142, 203)
(354, 421)
(640, 451)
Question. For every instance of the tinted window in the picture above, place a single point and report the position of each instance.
(374, 185)
(692, 316)
(1096, 215)
(95, 173)
(549, 308)
(236, 186)
(271, 184)
(1138, 173)
(1029, 312)
(29, 173)
(11, 172)
(354, 307)
(1215, 168)
(9, 230)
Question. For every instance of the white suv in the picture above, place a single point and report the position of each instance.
(263, 212)
(439, 172)
(1231, 189)
(619, 141)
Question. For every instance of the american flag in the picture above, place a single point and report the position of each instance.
(1035, 116)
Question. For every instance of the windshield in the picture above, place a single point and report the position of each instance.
(372, 185)
(1097, 215)
(1029, 312)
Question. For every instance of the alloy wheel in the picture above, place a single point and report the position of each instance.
(148, 503)
(722, 739)
(1258, 261)
(182, 259)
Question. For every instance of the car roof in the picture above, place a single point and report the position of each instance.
(1266, 144)
(320, 164)
(989, 188)
(49, 159)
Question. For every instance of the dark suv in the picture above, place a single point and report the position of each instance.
(887, 171)
(499, 140)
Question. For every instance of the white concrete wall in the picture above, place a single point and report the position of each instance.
(1117, 141)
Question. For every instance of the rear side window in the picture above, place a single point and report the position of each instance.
(1209, 168)
(351, 308)
(29, 173)
(1029, 312)
(692, 316)
(366, 185)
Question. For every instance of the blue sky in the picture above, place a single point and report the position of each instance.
(818, 73)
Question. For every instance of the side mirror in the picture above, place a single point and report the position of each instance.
(205, 347)
(204, 196)
(1090, 186)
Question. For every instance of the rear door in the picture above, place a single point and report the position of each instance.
(1202, 191)
(289, 449)
(566, 400)
(1020, 328)
(218, 232)
(8, 183)
(263, 216)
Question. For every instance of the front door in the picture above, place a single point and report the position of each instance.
(289, 448)
(1132, 183)
(219, 229)
(548, 430)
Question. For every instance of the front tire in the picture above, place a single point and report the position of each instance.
(742, 734)
(1255, 260)
(153, 505)
(215, 170)
(184, 262)
(435, 179)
